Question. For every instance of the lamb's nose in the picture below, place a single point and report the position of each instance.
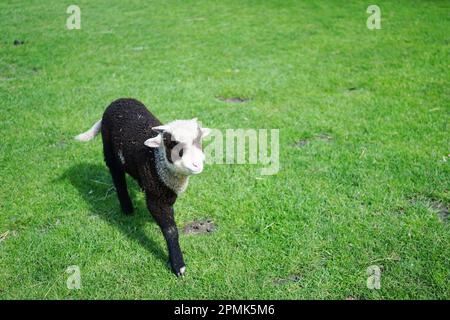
(196, 165)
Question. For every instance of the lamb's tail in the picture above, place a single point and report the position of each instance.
(91, 133)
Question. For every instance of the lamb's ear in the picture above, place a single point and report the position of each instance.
(154, 142)
(162, 128)
(205, 132)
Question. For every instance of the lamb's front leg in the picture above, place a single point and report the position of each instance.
(164, 216)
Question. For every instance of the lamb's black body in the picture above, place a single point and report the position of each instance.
(126, 125)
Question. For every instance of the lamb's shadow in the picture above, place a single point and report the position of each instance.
(94, 184)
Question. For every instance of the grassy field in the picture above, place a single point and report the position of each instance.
(364, 148)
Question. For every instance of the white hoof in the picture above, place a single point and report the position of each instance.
(182, 271)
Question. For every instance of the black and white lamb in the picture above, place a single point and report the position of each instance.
(159, 157)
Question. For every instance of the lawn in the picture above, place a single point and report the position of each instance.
(364, 148)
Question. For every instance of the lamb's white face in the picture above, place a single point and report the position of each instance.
(181, 141)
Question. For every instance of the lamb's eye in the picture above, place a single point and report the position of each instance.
(180, 153)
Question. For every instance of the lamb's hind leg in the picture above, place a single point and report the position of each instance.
(120, 183)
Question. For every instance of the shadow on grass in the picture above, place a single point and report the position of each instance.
(94, 184)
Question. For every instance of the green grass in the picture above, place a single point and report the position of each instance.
(367, 196)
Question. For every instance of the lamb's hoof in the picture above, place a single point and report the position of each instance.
(181, 272)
